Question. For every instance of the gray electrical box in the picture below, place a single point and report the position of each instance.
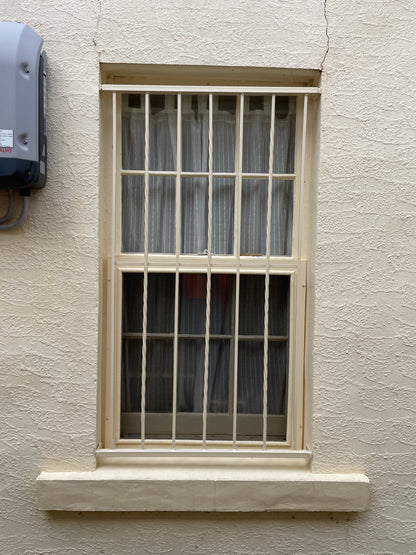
(22, 108)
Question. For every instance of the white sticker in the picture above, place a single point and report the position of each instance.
(6, 138)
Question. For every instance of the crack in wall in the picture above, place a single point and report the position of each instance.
(327, 36)
(95, 37)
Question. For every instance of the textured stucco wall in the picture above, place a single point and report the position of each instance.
(363, 345)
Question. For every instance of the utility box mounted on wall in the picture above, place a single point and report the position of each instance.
(22, 108)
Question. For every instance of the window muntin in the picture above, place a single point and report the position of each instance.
(263, 260)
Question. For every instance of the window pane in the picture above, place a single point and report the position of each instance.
(222, 215)
(159, 388)
(194, 215)
(251, 309)
(192, 303)
(132, 303)
(194, 212)
(224, 133)
(195, 133)
(160, 303)
(281, 218)
(250, 391)
(277, 378)
(279, 305)
(218, 376)
(159, 376)
(162, 132)
(222, 298)
(162, 214)
(131, 375)
(191, 354)
(250, 377)
(256, 134)
(219, 417)
(254, 217)
(284, 135)
(132, 131)
(132, 213)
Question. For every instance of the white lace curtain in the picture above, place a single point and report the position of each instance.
(194, 190)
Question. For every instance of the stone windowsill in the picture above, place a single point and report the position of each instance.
(170, 486)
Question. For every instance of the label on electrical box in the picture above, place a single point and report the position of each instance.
(6, 138)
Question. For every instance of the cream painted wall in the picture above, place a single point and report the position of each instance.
(362, 350)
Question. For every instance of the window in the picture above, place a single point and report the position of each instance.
(205, 234)
(207, 268)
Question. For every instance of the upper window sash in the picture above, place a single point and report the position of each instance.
(179, 179)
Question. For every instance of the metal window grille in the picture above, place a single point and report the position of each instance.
(138, 276)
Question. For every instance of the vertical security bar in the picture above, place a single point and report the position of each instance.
(237, 240)
(267, 275)
(177, 255)
(208, 300)
(146, 266)
(298, 374)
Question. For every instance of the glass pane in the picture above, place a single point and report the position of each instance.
(132, 302)
(281, 218)
(250, 390)
(256, 134)
(284, 135)
(254, 217)
(131, 375)
(250, 377)
(161, 214)
(222, 296)
(191, 354)
(218, 375)
(279, 290)
(159, 388)
(277, 377)
(194, 213)
(132, 131)
(222, 215)
(251, 309)
(224, 133)
(132, 213)
(159, 376)
(256, 138)
(219, 421)
(162, 132)
(161, 303)
(192, 303)
(195, 133)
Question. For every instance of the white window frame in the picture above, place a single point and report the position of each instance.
(293, 266)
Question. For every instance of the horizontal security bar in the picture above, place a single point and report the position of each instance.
(139, 335)
(274, 453)
(206, 89)
(244, 175)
